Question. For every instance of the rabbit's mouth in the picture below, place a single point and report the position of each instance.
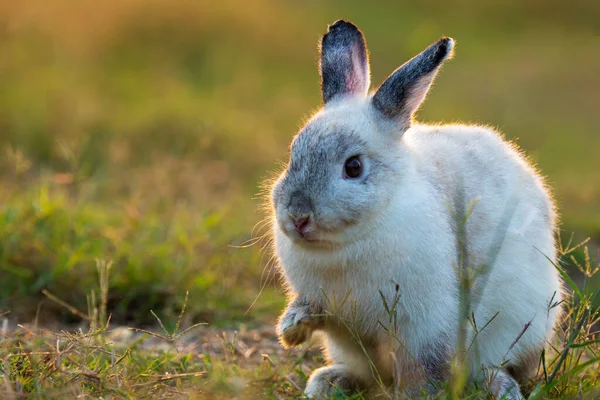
(310, 238)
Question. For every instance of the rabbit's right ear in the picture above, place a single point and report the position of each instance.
(344, 62)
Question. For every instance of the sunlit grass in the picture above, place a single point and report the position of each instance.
(98, 359)
(51, 243)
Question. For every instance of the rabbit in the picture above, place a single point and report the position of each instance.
(378, 222)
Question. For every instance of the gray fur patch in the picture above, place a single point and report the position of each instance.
(313, 152)
(435, 360)
(299, 204)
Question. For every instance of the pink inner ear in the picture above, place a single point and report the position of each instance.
(349, 84)
(356, 79)
(418, 92)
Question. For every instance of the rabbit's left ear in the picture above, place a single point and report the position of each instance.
(404, 90)
(344, 62)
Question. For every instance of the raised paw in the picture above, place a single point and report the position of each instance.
(298, 322)
(327, 381)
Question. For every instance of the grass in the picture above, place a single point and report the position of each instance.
(192, 360)
(136, 134)
(99, 360)
(50, 243)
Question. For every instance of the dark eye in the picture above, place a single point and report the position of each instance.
(352, 167)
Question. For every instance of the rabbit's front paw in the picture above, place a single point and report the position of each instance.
(297, 323)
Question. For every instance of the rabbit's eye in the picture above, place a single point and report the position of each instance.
(352, 168)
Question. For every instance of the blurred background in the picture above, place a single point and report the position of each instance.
(138, 132)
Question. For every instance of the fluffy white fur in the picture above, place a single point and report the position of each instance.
(408, 244)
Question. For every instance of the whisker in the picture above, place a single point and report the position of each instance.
(268, 268)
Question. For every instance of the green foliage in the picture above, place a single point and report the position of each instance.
(48, 242)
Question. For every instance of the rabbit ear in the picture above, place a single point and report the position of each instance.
(404, 90)
(344, 63)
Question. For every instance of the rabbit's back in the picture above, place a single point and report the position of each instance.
(508, 234)
(474, 164)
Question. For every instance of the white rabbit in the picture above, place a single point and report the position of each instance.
(370, 208)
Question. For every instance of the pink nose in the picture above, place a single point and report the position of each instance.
(301, 222)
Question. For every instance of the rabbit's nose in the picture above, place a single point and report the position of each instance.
(300, 222)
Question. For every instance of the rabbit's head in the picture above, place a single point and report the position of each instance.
(346, 162)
